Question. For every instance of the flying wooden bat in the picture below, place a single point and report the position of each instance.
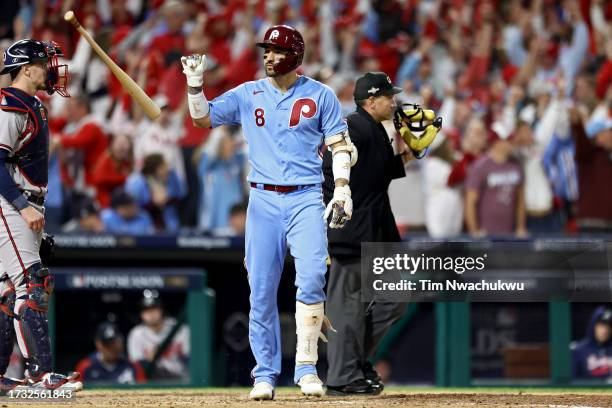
(148, 106)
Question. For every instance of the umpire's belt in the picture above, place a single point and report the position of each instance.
(281, 189)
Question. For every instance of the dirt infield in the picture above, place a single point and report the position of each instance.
(289, 398)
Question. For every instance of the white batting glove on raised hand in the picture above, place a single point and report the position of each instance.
(340, 206)
(193, 68)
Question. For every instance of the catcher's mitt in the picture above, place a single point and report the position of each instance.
(410, 118)
(47, 249)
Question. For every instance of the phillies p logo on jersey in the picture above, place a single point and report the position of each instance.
(304, 107)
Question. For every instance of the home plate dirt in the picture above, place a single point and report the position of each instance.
(238, 397)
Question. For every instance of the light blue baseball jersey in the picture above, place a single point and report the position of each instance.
(284, 130)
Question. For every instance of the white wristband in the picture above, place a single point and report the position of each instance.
(341, 165)
(198, 105)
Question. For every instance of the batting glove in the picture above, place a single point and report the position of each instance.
(193, 68)
(340, 206)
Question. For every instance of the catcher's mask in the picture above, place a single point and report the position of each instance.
(415, 118)
(32, 51)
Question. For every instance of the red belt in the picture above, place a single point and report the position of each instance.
(280, 189)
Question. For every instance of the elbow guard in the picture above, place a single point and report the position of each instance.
(347, 147)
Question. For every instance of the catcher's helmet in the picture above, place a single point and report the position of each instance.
(32, 51)
(287, 39)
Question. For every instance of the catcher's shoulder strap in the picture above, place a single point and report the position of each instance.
(10, 102)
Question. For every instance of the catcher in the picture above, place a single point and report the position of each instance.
(25, 281)
(360, 326)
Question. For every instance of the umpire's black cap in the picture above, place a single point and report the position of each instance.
(374, 84)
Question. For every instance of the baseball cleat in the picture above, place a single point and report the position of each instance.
(311, 385)
(54, 381)
(7, 384)
(262, 391)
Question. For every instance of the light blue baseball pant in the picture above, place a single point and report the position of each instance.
(276, 221)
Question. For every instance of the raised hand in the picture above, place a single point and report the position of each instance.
(193, 67)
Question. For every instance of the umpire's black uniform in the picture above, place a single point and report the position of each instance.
(359, 328)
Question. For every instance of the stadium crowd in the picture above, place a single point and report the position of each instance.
(523, 88)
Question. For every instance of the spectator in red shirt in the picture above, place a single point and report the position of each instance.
(495, 200)
(113, 168)
(594, 160)
(173, 39)
(86, 137)
(473, 144)
(168, 46)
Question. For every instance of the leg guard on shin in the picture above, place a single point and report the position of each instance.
(7, 297)
(308, 322)
(7, 334)
(7, 340)
(32, 332)
(39, 285)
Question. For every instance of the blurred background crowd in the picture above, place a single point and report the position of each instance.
(523, 88)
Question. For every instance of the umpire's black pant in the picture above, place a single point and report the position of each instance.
(359, 328)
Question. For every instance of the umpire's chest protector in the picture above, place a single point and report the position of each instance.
(32, 149)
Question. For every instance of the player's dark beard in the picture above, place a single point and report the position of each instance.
(270, 72)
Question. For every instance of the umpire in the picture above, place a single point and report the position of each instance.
(361, 327)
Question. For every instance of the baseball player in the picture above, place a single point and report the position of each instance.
(285, 118)
(25, 283)
(145, 339)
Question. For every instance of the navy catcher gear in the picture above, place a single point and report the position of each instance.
(287, 39)
(7, 340)
(7, 334)
(47, 248)
(7, 298)
(33, 330)
(32, 51)
(33, 157)
(39, 285)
